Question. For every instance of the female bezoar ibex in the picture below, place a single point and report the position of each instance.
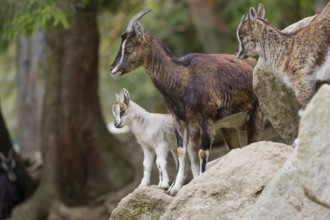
(301, 59)
(154, 132)
(199, 89)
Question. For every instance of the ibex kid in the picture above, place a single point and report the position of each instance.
(154, 132)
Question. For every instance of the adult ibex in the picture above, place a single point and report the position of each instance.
(199, 89)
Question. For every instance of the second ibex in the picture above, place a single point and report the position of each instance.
(300, 59)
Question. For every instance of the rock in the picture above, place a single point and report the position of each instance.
(230, 187)
(298, 25)
(145, 203)
(278, 103)
(314, 147)
(301, 190)
(276, 100)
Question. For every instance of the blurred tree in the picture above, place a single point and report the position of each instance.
(31, 73)
(73, 134)
(210, 25)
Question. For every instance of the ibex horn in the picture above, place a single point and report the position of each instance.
(134, 25)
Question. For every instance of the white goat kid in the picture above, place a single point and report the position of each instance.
(154, 132)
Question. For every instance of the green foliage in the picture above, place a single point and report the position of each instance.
(278, 12)
(24, 17)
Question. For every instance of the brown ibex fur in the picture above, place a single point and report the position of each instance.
(300, 59)
(199, 89)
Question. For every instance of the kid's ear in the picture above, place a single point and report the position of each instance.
(126, 96)
(252, 16)
(117, 97)
(261, 11)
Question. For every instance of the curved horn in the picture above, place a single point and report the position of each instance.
(134, 24)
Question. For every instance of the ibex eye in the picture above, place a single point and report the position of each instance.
(122, 113)
(128, 47)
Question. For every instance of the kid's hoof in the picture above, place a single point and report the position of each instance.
(172, 192)
(164, 186)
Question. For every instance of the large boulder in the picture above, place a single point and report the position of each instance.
(276, 100)
(231, 186)
(301, 190)
(314, 148)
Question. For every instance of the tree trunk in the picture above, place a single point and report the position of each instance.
(74, 136)
(207, 24)
(82, 172)
(211, 25)
(31, 60)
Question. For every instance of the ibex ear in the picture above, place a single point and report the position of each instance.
(126, 96)
(261, 11)
(252, 16)
(117, 97)
(139, 31)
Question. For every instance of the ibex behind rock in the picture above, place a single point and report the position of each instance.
(300, 59)
(199, 89)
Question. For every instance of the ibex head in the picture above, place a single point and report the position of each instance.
(249, 30)
(119, 108)
(130, 54)
(8, 164)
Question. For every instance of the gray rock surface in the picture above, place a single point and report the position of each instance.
(301, 190)
(230, 187)
(314, 147)
(278, 103)
(276, 100)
